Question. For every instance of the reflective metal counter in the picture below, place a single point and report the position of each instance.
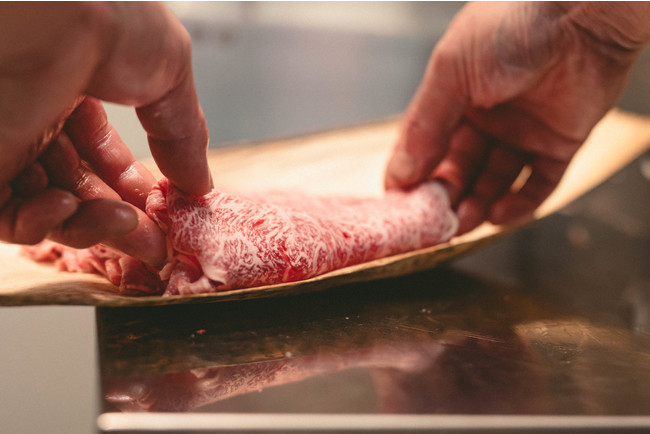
(546, 329)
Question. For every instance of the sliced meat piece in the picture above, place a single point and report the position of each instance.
(221, 241)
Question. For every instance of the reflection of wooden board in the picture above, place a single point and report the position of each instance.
(348, 161)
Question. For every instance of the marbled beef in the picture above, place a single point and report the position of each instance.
(223, 241)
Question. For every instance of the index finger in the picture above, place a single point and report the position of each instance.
(178, 138)
(147, 64)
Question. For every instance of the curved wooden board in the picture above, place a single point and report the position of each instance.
(349, 161)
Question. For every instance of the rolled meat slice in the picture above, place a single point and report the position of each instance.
(221, 241)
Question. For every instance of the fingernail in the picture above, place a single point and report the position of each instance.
(146, 242)
(125, 219)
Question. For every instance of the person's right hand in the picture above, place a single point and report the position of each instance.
(514, 85)
(64, 171)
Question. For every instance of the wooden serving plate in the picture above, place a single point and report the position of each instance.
(349, 161)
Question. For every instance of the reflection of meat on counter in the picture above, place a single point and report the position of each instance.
(220, 241)
(411, 377)
(181, 391)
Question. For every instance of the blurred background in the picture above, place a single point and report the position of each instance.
(275, 69)
(263, 71)
(267, 70)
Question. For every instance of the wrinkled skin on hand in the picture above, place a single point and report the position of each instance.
(65, 173)
(514, 85)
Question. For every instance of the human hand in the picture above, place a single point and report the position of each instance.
(513, 86)
(64, 171)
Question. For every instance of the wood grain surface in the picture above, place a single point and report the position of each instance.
(349, 161)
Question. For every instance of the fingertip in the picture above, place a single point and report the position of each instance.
(146, 243)
(193, 186)
(116, 224)
(61, 202)
(186, 167)
(124, 217)
(390, 183)
(205, 185)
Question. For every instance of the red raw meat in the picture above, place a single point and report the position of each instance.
(132, 276)
(221, 241)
